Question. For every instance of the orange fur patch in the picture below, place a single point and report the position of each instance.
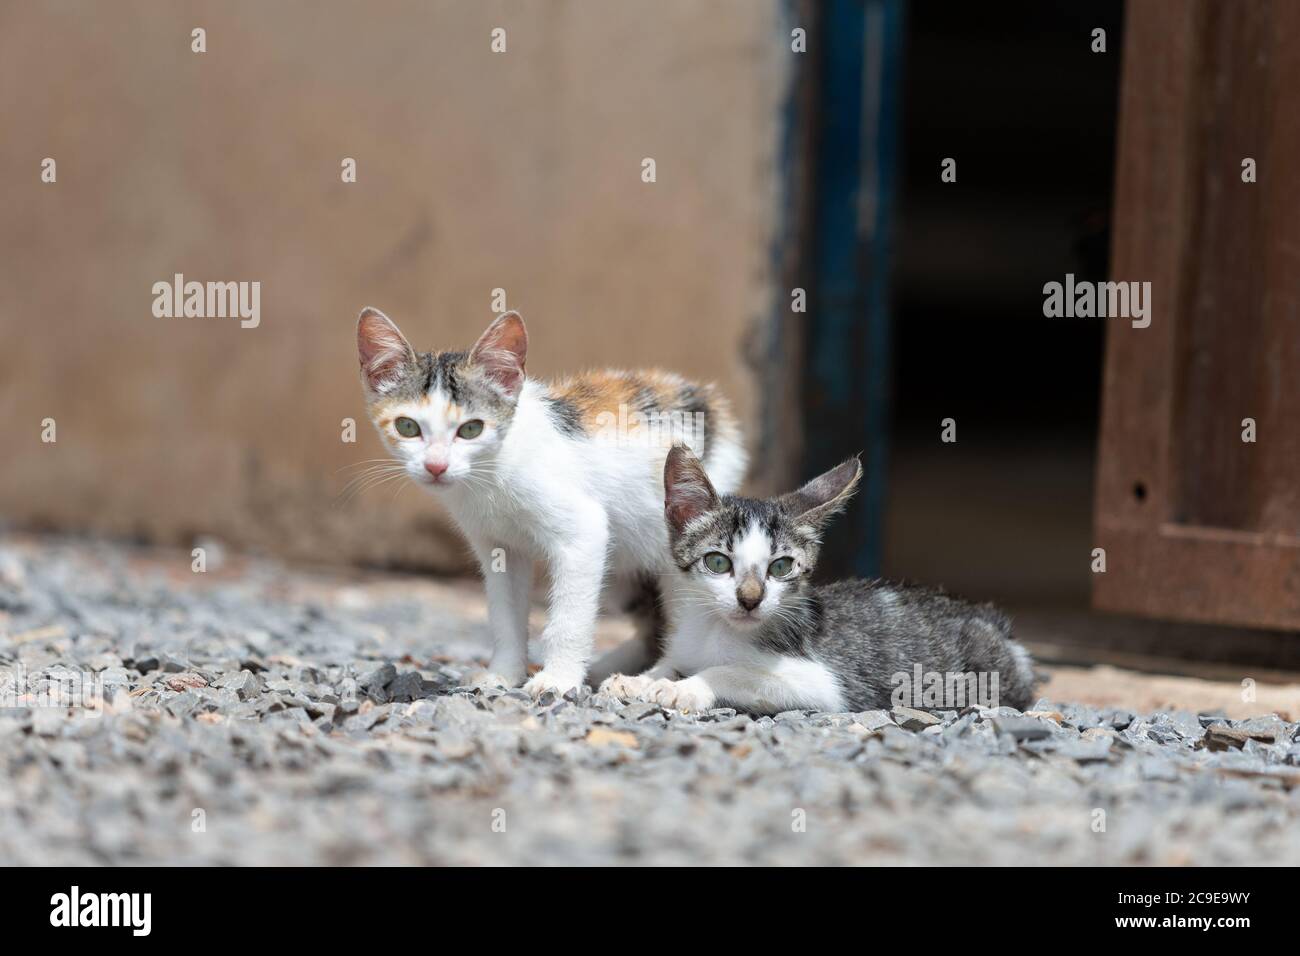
(594, 393)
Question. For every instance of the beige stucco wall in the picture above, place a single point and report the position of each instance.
(476, 170)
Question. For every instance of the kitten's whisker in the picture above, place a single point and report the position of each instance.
(368, 463)
(371, 481)
(381, 466)
(401, 486)
(361, 480)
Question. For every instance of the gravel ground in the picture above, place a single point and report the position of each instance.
(261, 715)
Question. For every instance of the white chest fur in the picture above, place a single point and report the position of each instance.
(546, 488)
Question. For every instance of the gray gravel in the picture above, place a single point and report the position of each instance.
(243, 720)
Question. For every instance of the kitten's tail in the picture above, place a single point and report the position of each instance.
(1024, 678)
(1017, 678)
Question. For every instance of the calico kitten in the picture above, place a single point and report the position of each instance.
(568, 473)
(749, 631)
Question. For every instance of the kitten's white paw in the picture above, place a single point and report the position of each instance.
(558, 683)
(482, 680)
(689, 695)
(625, 686)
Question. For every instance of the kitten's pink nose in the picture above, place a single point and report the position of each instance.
(435, 468)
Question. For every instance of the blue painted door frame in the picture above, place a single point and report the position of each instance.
(853, 185)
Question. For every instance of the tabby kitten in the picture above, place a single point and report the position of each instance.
(749, 631)
(567, 473)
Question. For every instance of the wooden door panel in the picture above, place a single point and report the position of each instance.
(1197, 523)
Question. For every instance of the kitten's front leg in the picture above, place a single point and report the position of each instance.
(689, 695)
(759, 690)
(577, 574)
(637, 686)
(508, 580)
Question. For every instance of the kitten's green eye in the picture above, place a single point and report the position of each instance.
(780, 567)
(717, 562)
(407, 427)
(470, 429)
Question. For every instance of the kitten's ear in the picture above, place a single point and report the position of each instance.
(382, 349)
(826, 495)
(688, 493)
(501, 351)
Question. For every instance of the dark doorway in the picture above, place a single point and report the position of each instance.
(1029, 113)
